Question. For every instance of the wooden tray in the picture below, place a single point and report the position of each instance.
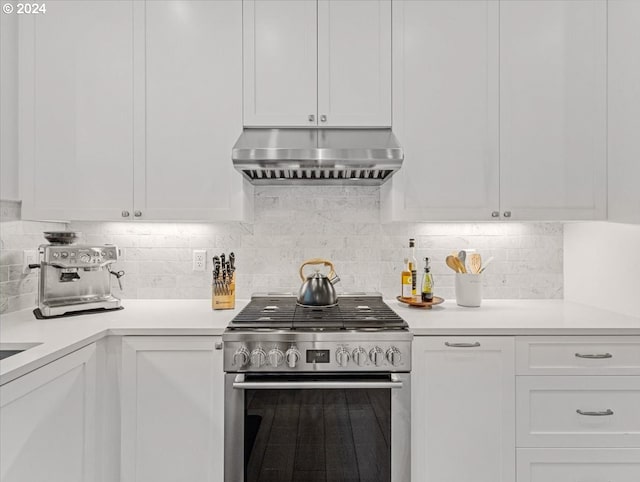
(418, 303)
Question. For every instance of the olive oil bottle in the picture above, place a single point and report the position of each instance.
(427, 282)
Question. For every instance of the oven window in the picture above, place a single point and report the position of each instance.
(318, 435)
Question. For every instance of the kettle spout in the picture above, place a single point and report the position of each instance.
(335, 279)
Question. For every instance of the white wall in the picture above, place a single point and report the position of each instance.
(9, 107)
(602, 265)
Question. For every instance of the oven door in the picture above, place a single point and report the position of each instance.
(334, 427)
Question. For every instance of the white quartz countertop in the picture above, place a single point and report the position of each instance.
(60, 336)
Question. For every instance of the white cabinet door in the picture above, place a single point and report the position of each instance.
(463, 409)
(76, 95)
(354, 62)
(48, 422)
(553, 124)
(172, 409)
(280, 62)
(193, 62)
(624, 111)
(445, 111)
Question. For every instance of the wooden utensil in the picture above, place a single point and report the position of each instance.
(475, 263)
(451, 263)
(461, 266)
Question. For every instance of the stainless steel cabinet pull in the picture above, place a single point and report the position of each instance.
(507, 214)
(596, 414)
(594, 356)
(137, 214)
(217, 345)
(323, 118)
(312, 118)
(125, 214)
(495, 214)
(462, 345)
(239, 383)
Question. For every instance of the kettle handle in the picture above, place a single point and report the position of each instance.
(325, 262)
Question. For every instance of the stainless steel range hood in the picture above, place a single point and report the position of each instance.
(363, 157)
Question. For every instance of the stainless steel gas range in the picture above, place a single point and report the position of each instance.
(317, 393)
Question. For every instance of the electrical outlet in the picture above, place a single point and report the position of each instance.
(199, 259)
(29, 256)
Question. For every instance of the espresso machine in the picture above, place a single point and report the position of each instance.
(75, 277)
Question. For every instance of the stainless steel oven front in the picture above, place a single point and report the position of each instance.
(306, 419)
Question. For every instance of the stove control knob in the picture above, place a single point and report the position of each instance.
(343, 356)
(276, 357)
(376, 355)
(360, 356)
(293, 356)
(241, 356)
(394, 356)
(258, 357)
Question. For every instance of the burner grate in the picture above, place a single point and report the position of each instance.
(351, 312)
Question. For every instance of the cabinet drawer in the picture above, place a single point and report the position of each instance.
(559, 355)
(579, 465)
(547, 411)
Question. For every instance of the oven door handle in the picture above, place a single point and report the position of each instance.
(240, 384)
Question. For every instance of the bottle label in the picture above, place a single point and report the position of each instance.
(406, 291)
(414, 281)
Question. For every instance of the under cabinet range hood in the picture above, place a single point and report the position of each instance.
(364, 157)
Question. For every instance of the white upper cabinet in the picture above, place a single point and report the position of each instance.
(553, 109)
(501, 110)
(317, 63)
(624, 111)
(280, 66)
(354, 63)
(193, 112)
(130, 110)
(76, 97)
(445, 111)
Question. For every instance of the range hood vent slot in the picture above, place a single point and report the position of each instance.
(364, 157)
(360, 177)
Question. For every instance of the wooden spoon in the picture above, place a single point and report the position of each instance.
(451, 263)
(475, 262)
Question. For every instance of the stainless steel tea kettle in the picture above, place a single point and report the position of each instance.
(317, 289)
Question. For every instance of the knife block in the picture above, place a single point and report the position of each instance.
(223, 296)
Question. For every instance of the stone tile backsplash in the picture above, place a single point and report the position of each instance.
(293, 224)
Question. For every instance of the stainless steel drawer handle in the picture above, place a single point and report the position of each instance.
(239, 383)
(607, 412)
(462, 345)
(594, 356)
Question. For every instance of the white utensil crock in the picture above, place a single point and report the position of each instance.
(468, 289)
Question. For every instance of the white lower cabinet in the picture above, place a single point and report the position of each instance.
(172, 409)
(578, 409)
(48, 422)
(463, 409)
(562, 465)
